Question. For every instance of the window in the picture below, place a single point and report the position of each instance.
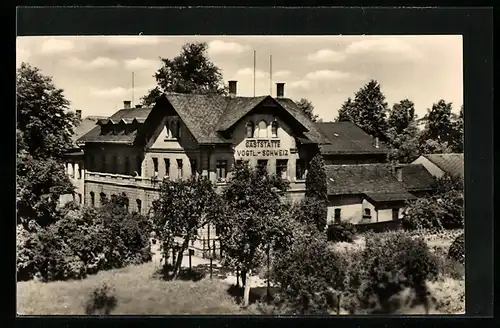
(193, 167)
(262, 164)
(126, 203)
(167, 167)
(155, 166)
(300, 169)
(262, 129)
(139, 206)
(395, 214)
(337, 215)
(274, 129)
(102, 198)
(80, 171)
(79, 198)
(221, 168)
(281, 168)
(250, 129)
(179, 168)
(367, 213)
(139, 165)
(92, 199)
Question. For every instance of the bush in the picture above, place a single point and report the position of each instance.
(101, 301)
(341, 232)
(84, 241)
(309, 275)
(390, 264)
(423, 214)
(457, 249)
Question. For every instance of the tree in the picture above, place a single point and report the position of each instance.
(458, 135)
(368, 110)
(347, 113)
(182, 209)
(307, 107)
(253, 223)
(189, 72)
(44, 130)
(314, 206)
(45, 125)
(439, 125)
(403, 133)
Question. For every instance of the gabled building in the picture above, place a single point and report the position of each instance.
(365, 193)
(441, 164)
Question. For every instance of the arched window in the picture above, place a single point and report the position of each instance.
(92, 199)
(262, 129)
(274, 129)
(172, 129)
(250, 129)
(102, 198)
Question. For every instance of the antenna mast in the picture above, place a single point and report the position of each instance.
(254, 64)
(270, 75)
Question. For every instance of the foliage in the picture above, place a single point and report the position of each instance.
(457, 249)
(83, 242)
(316, 179)
(307, 107)
(401, 116)
(448, 183)
(389, 264)
(341, 232)
(189, 72)
(183, 208)
(101, 301)
(44, 130)
(43, 122)
(368, 110)
(253, 222)
(402, 133)
(309, 275)
(423, 213)
(448, 295)
(311, 211)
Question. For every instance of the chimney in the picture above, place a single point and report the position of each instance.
(375, 142)
(399, 173)
(138, 106)
(232, 88)
(126, 104)
(280, 90)
(79, 113)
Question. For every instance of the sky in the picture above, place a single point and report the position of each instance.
(95, 72)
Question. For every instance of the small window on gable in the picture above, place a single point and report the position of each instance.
(250, 129)
(262, 129)
(274, 129)
(368, 213)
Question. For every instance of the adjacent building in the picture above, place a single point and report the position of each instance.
(441, 164)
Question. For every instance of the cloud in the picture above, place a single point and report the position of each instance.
(326, 56)
(301, 85)
(283, 73)
(248, 72)
(56, 46)
(99, 62)
(223, 47)
(384, 46)
(143, 40)
(141, 63)
(323, 75)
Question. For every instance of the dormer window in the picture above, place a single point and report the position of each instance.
(262, 129)
(250, 129)
(274, 129)
(173, 127)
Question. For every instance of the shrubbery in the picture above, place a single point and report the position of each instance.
(83, 242)
(457, 249)
(388, 265)
(310, 276)
(341, 232)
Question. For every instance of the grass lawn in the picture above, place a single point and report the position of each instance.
(136, 291)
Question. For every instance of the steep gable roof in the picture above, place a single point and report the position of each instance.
(452, 163)
(348, 138)
(417, 178)
(373, 180)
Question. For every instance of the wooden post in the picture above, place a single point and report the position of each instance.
(211, 268)
(190, 259)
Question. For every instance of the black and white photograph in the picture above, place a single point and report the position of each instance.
(240, 175)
